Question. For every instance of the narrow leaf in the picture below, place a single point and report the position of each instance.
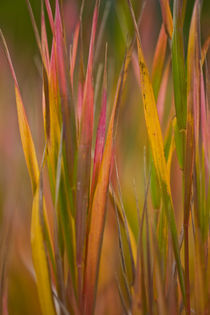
(167, 17)
(158, 60)
(101, 131)
(178, 66)
(25, 132)
(156, 143)
(98, 209)
(84, 152)
(39, 257)
(193, 66)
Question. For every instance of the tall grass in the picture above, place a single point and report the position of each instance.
(164, 267)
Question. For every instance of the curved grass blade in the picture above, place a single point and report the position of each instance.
(156, 142)
(25, 132)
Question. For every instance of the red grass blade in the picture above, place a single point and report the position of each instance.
(74, 53)
(84, 154)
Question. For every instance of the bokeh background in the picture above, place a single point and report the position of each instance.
(15, 190)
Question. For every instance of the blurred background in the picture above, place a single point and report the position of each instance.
(15, 190)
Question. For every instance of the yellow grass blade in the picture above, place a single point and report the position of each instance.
(25, 132)
(27, 141)
(156, 143)
(39, 258)
(38, 252)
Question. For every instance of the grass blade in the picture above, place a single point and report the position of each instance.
(25, 132)
(84, 155)
(158, 60)
(167, 17)
(39, 257)
(193, 66)
(101, 131)
(74, 53)
(98, 209)
(205, 50)
(178, 67)
(156, 142)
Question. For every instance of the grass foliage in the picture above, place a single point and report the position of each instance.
(165, 266)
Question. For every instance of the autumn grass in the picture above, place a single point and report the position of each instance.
(165, 267)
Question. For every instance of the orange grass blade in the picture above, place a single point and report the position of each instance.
(158, 60)
(98, 209)
(162, 92)
(101, 131)
(156, 142)
(167, 17)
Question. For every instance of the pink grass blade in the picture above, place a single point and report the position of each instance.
(46, 106)
(44, 40)
(162, 92)
(50, 16)
(84, 154)
(205, 129)
(67, 108)
(74, 53)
